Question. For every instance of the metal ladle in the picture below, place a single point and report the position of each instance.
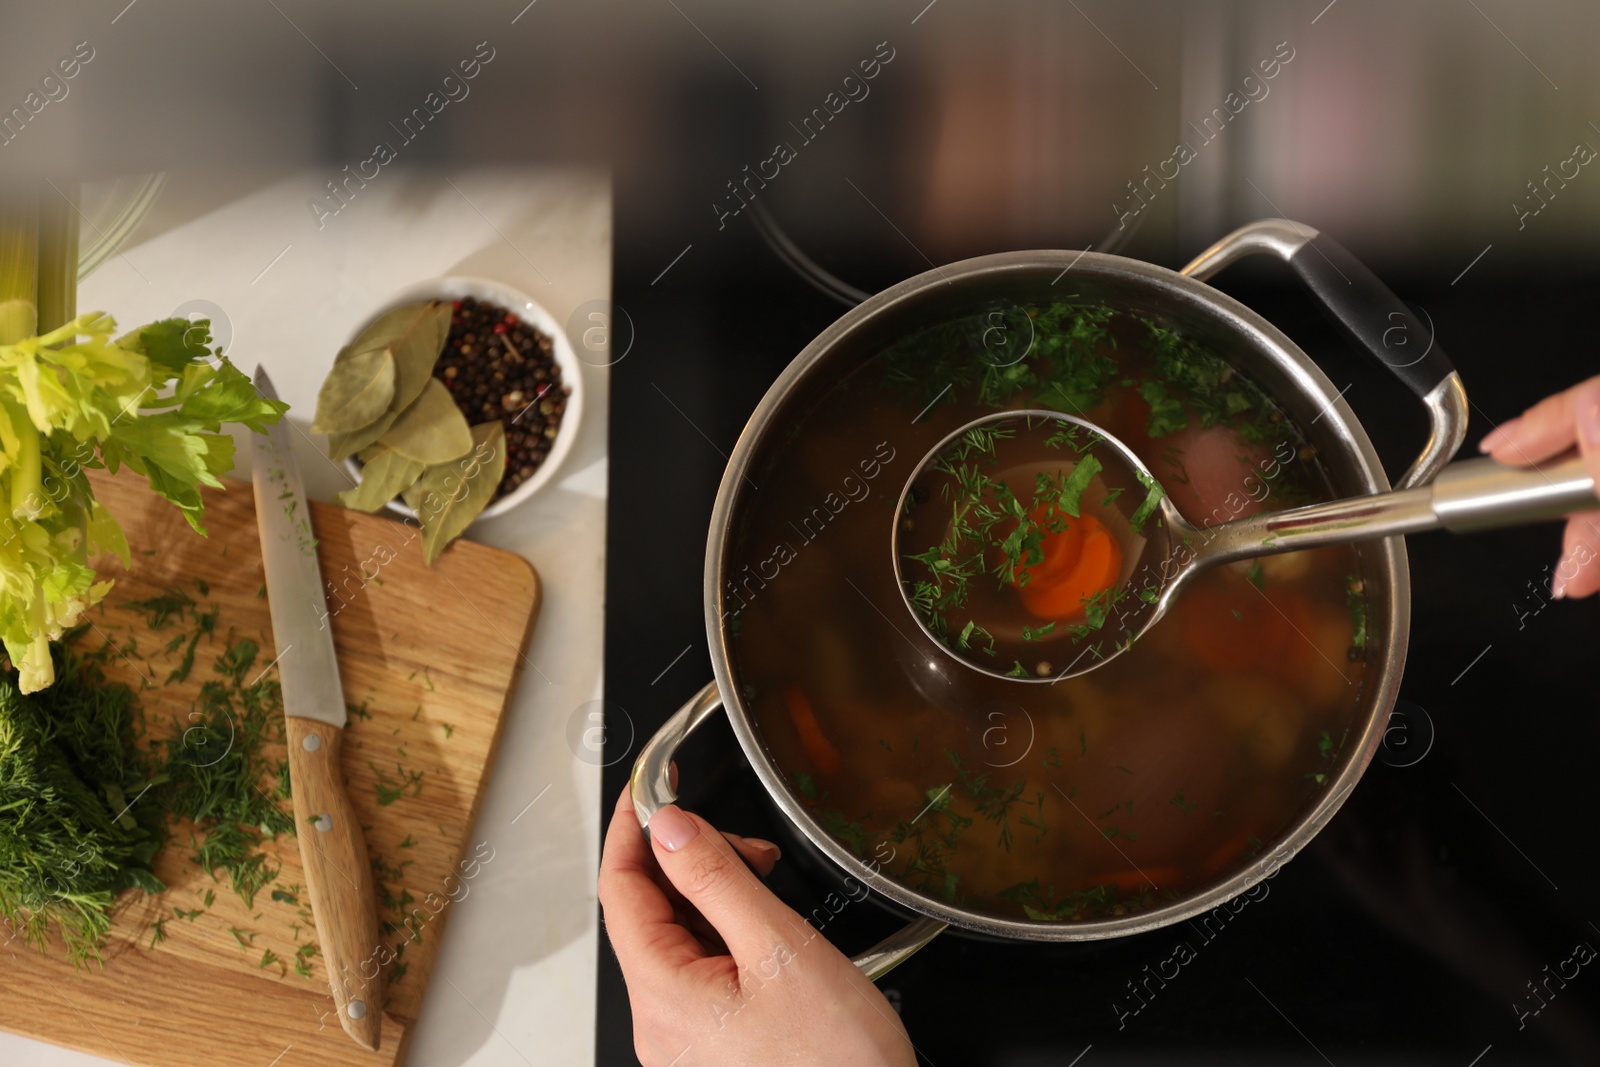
(1477, 494)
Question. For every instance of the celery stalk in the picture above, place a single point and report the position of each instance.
(25, 467)
(19, 266)
(58, 255)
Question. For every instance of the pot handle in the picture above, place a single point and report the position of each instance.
(651, 788)
(1370, 314)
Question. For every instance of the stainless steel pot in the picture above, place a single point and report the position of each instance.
(1366, 310)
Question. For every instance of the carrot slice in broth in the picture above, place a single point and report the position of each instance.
(824, 756)
(1062, 595)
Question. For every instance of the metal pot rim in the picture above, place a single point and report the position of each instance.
(1387, 559)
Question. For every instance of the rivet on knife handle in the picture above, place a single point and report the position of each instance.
(338, 874)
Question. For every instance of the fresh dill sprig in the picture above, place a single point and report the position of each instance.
(78, 826)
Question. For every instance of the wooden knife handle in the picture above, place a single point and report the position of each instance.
(338, 874)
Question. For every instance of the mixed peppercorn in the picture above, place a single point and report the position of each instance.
(497, 366)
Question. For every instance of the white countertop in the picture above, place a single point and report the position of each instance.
(514, 982)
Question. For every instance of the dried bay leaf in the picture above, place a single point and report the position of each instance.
(413, 335)
(450, 495)
(442, 325)
(345, 445)
(385, 475)
(432, 430)
(355, 393)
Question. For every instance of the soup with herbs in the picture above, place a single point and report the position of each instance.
(1032, 537)
(1145, 780)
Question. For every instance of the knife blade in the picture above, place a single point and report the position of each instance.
(332, 847)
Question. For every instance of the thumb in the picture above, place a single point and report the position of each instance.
(703, 866)
(1586, 415)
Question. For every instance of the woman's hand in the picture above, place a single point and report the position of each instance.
(1548, 429)
(719, 970)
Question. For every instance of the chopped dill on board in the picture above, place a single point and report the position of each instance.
(159, 609)
(389, 790)
(216, 770)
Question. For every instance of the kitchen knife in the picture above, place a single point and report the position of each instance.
(332, 847)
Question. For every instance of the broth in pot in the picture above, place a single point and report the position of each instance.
(1152, 777)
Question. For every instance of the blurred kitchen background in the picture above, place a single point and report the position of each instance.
(1399, 127)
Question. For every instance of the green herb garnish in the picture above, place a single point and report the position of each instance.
(1151, 501)
(78, 825)
(1072, 490)
(1355, 598)
(1186, 378)
(994, 532)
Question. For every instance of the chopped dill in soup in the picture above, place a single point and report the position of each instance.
(1024, 538)
(1159, 773)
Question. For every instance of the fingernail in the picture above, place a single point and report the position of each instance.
(1499, 435)
(766, 848)
(1589, 417)
(1558, 581)
(672, 828)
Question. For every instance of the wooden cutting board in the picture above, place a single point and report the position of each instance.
(432, 654)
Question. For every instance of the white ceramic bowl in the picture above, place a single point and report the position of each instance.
(457, 286)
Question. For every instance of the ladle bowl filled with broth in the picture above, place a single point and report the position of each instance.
(1030, 536)
(1179, 772)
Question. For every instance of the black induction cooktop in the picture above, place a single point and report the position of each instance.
(1439, 919)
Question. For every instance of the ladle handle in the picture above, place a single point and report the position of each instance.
(650, 786)
(1477, 494)
(1480, 494)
